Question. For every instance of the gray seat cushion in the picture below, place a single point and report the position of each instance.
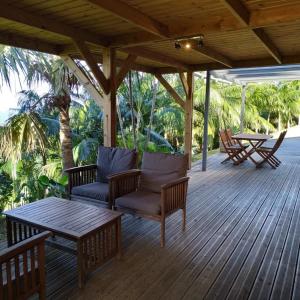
(142, 201)
(114, 160)
(161, 168)
(96, 190)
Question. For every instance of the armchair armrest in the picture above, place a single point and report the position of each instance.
(23, 246)
(123, 183)
(81, 175)
(81, 168)
(173, 195)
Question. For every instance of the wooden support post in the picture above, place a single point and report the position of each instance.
(188, 114)
(244, 87)
(109, 107)
(205, 130)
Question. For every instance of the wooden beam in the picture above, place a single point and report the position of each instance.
(212, 54)
(16, 40)
(238, 9)
(170, 90)
(184, 83)
(88, 56)
(125, 67)
(155, 56)
(188, 117)
(83, 79)
(109, 109)
(133, 16)
(15, 14)
(267, 43)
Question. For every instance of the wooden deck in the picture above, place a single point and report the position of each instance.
(242, 241)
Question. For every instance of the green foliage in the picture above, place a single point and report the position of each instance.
(32, 154)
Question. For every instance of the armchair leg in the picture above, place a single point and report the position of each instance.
(183, 218)
(162, 232)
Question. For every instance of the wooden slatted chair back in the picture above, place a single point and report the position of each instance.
(229, 134)
(224, 139)
(22, 269)
(279, 141)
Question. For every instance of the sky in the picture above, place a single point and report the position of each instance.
(9, 95)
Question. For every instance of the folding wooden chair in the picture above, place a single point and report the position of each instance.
(234, 151)
(267, 153)
(232, 141)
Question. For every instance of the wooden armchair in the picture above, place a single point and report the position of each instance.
(156, 191)
(90, 183)
(23, 269)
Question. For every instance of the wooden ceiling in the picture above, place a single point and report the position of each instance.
(237, 33)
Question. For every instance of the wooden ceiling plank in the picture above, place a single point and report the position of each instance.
(238, 9)
(156, 56)
(170, 90)
(266, 17)
(125, 67)
(92, 63)
(275, 15)
(133, 16)
(12, 13)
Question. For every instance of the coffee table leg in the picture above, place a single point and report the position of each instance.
(8, 232)
(80, 264)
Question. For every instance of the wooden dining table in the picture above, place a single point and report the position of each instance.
(255, 140)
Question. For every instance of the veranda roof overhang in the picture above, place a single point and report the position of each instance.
(237, 33)
(248, 75)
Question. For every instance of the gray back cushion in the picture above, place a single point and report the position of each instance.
(114, 160)
(160, 168)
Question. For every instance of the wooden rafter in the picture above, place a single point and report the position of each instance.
(90, 60)
(28, 43)
(170, 90)
(83, 79)
(238, 9)
(133, 15)
(155, 56)
(125, 67)
(212, 54)
(15, 14)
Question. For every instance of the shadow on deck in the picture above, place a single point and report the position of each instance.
(242, 241)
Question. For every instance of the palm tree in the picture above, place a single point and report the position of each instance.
(62, 84)
(13, 61)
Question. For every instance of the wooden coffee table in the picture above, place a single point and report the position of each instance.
(95, 231)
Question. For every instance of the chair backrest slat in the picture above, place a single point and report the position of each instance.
(279, 141)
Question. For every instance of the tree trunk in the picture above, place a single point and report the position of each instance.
(66, 138)
(267, 132)
(132, 111)
(155, 87)
(121, 123)
(279, 122)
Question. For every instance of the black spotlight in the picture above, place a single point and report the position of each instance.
(177, 45)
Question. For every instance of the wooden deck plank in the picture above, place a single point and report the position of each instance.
(242, 241)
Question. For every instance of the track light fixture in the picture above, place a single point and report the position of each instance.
(177, 45)
(188, 42)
